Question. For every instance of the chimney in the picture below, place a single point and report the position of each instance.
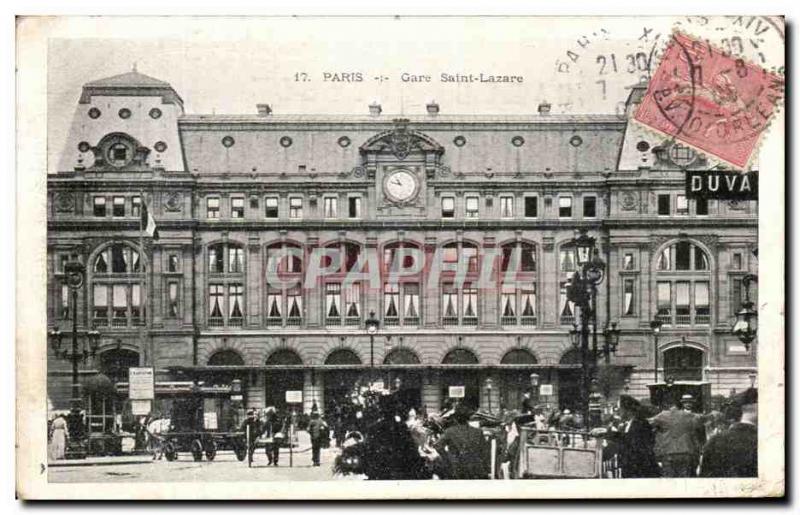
(433, 108)
(374, 109)
(544, 108)
(264, 109)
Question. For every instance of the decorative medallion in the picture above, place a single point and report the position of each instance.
(228, 141)
(643, 146)
(65, 202)
(628, 201)
(359, 171)
(459, 141)
(84, 146)
(173, 201)
(344, 142)
(94, 113)
(160, 146)
(576, 141)
(517, 141)
(124, 113)
(285, 141)
(155, 113)
(400, 140)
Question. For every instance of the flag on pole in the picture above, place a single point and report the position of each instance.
(148, 222)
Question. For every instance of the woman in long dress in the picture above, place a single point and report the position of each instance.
(58, 441)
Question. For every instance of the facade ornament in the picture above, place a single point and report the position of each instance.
(173, 202)
(628, 201)
(65, 202)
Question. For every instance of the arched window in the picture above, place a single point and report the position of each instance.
(284, 357)
(226, 357)
(343, 303)
(401, 302)
(570, 357)
(284, 303)
(519, 285)
(459, 302)
(117, 287)
(683, 282)
(343, 357)
(401, 357)
(683, 364)
(518, 357)
(226, 267)
(460, 357)
(116, 363)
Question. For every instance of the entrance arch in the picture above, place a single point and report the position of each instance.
(406, 382)
(115, 364)
(683, 363)
(515, 382)
(467, 377)
(339, 384)
(279, 380)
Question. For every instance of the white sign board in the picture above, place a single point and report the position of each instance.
(210, 420)
(141, 384)
(294, 396)
(546, 389)
(456, 392)
(140, 407)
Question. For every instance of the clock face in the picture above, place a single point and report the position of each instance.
(401, 186)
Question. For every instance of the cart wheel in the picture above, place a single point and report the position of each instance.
(197, 450)
(211, 450)
(169, 451)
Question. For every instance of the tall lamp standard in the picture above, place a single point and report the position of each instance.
(372, 324)
(75, 274)
(655, 325)
(582, 290)
(535, 387)
(489, 388)
(745, 326)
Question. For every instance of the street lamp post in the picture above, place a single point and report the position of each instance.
(745, 326)
(372, 324)
(655, 325)
(489, 387)
(75, 274)
(535, 387)
(582, 290)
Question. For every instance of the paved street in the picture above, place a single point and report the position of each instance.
(224, 468)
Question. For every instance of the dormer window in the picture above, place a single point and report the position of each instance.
(118, 149)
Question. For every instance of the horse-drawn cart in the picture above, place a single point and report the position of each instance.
(558, 454)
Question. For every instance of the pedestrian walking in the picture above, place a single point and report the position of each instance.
(251, 427)
(461, 452)
(678, 442)
(318, 430)
(58, 438)
(733, 452)
(635, 441)
(274, 432)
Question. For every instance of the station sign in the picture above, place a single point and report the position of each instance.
(456, 392)
(294, 396)
(546, 389)
(141, 383)
(721, 185)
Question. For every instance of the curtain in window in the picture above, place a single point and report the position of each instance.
(295, 302)
(700, 259)
(664, 261)
(120, 300)
(529, 302)
(100, 296)
(566, 305)
(173, 299)
(470, 297)
(353, 300)
(215, 298)
(391, 295)
(628, 300)
(567, 260)
(235, 300)
(411, 298)
(332, 300)
(236, 259)
(701, 297)
(101, 263)
(449, 301)
(274, 304)
(213, 260)
(664, 293)
(508, 300)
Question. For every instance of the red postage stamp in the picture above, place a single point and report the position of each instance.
(711, 100)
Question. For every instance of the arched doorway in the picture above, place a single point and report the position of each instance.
(228, 413)
(103, 404)
(278, 380)
(515, 382)
(224, 358)
(683, 364)
(569, 381)
(115, 364)
(467, 377)
(409, 381)
(340, 383)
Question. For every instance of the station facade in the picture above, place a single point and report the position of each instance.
(448, 202)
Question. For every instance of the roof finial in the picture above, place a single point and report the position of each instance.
(134, 67)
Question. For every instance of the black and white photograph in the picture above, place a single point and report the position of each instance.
(312, 251)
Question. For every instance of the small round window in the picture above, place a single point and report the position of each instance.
(160, 146)
(517, 141)
(286, 141)
(84, 146)
(228, 141)
(576, 141)
(124, 113)
(155, 113)
(459, 141)
(344, 142)
(643, 146)
(94, 113)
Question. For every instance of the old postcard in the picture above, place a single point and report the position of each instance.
(274, 257)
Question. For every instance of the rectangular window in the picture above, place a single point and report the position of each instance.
(702, 310)
(237, 207)
(235, 304)
(701, 206)
(589, 207)
(567, 260)
(215, 304)
(354, 207)
(274, 306)
(565, 207)
(737, 295)
(120, 305)
(566, 307)
(469, 304)
(682, 306)
(212, 207)
(629, 298)
(391, 303)
(663, 204)
(235, 260)
(100, 304)
(99, 206)
(628, 262)
(411, 314)
(683, 255)
(216, 259)
(172, 263)
(736, 261)
(448, 207)
(681, 205)
(508, 305)
(527, 304)
(333, 309)
(449, 305)
(63, 307)
(118, 208)
(531, 207)
(471, 207)
(136, 205)
(296, 208)
(271, 207)
(352, 304)
(136, 313)
(172, 308)
(506, 207)
(664, 302)
(331, 206)
(294, 303)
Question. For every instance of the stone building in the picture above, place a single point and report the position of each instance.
(234, 195)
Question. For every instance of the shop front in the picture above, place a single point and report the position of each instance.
(460, 379)
(284, 372)
(402, 374)
(342, 373)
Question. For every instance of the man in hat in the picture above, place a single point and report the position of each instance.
(734, 452)
(461, 452)
(635, 441)
(678, 442)
(318, 430)
(251, 427)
